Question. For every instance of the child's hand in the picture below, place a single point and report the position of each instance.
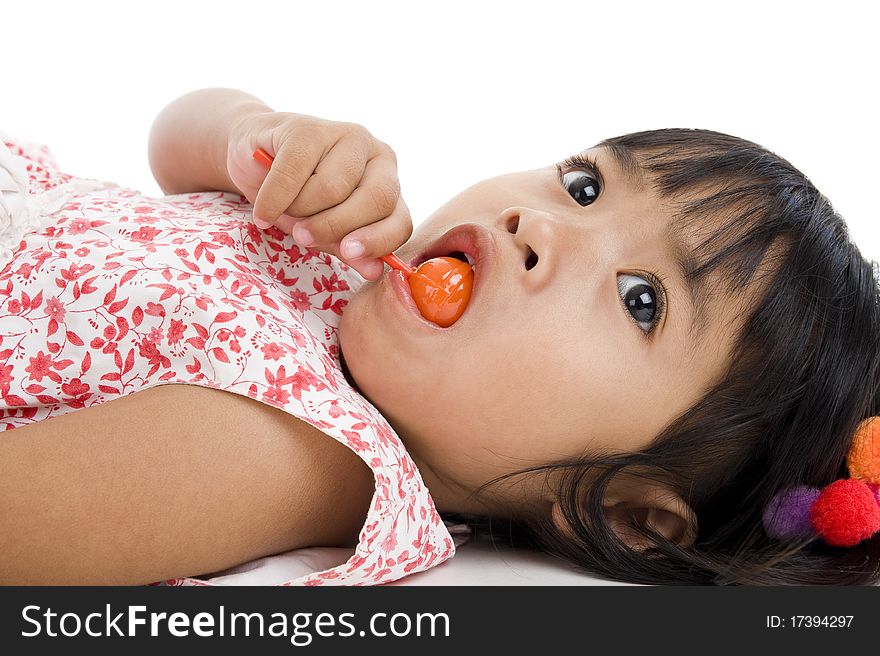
(331, 179)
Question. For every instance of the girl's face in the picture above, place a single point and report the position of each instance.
(569, 342)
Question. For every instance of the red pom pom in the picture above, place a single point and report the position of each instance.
(845, 513)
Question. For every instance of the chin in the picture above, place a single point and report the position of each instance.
(360, 348)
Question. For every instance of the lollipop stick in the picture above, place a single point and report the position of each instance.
(396, 263)
(391, 259)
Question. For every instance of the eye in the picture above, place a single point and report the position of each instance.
(582, 183)
(641, 300)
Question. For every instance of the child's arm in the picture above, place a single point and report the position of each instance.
(188, 139)
(332, 179)
(174, 480)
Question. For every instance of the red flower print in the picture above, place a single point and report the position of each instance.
(76, 271)
(55, 309)
(221, 273)
(334, 284)
(40, 366)
(272, 351)
(222, 238)
(155, 309)
(78, 226)
(82, 252)
(300, 300)
(386, 436)
(253, 232)
(390, 542)
(303, 379)
(355, 442)
(277, 395)
(145, 234)
(293, 253)
(175, 331)
(143, 209)
(181, 252)
(14, 306)
(5, 377)
(147, 349)
(75, 387)
(156, 334)
(298, 338)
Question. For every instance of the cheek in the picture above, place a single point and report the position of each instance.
(401, 376)
(529, 372)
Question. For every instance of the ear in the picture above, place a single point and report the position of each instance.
(646, 504)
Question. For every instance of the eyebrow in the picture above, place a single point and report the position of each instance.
(679, 252)
(625, 161)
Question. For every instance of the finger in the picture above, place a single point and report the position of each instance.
(381, 237)
(373, 200)
(295, 161)
(285, 223)
(338, 174)
(368, 268)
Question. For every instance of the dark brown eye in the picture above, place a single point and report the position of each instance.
(583, 187)
(640, 299)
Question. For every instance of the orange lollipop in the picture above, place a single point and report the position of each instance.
(441, 287)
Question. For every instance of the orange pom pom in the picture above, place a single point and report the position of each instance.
(863, 459)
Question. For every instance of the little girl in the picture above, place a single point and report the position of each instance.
(666, 331)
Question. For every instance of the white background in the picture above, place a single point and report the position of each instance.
(462, 91)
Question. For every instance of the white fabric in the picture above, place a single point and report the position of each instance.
(24, 210)
(478, 562)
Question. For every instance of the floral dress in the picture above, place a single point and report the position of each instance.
(105, 292)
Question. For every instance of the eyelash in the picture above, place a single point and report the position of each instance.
(583, 162)
(588, 164)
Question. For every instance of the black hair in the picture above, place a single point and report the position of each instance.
(803, 373)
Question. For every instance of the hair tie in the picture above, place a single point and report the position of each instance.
(842, 513)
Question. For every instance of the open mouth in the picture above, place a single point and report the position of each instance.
(468, 242)
(458, 255)
(462, 257)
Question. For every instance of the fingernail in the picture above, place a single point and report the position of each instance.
(262, 224)
(302, 235)
(353, 249)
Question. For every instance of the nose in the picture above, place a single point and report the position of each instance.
(537, 236)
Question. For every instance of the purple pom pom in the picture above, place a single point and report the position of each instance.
(787, 516)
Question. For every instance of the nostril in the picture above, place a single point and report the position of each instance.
(513, 225)
(531, 260)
